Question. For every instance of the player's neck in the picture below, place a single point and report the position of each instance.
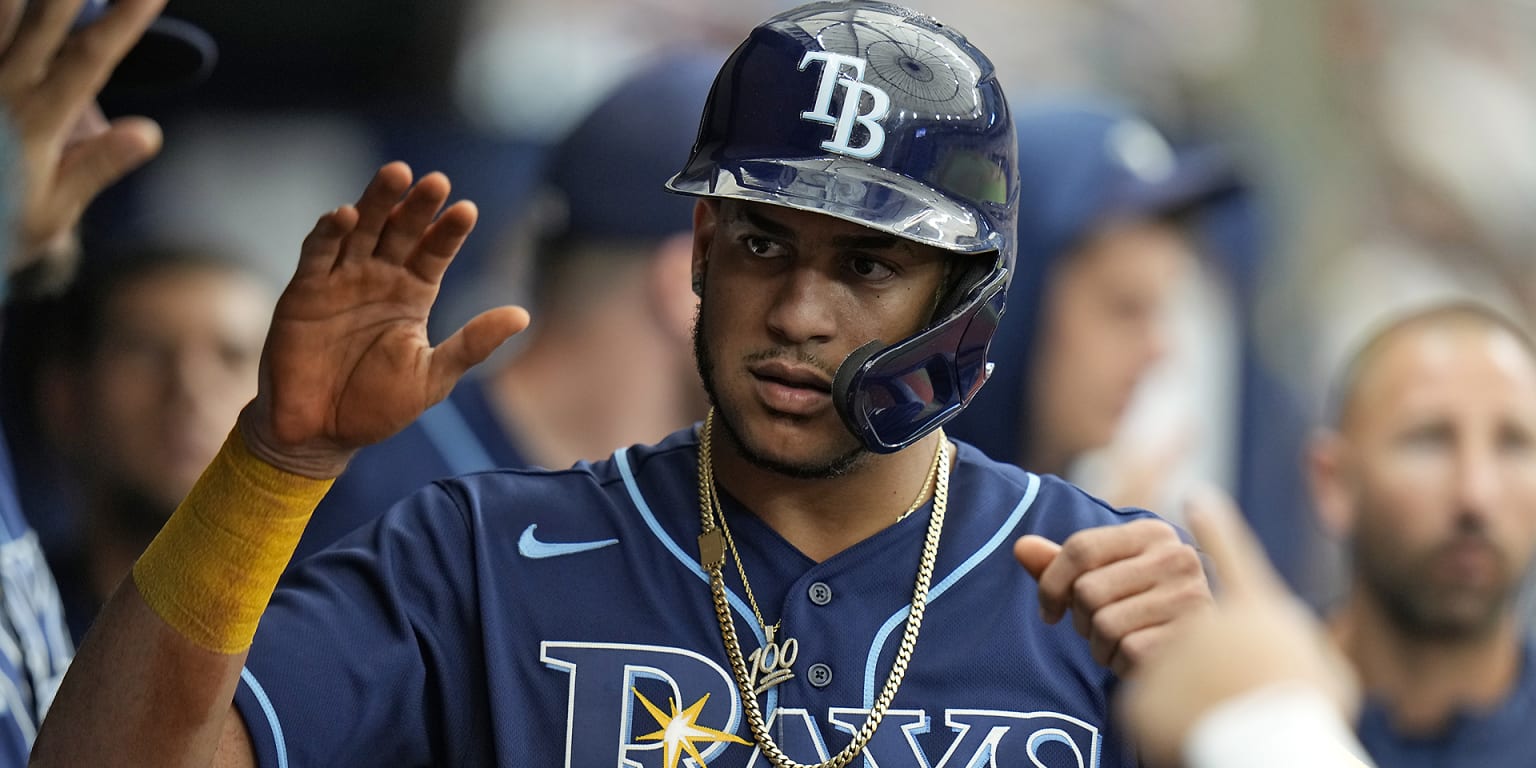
(1426, 681)
(824, 517)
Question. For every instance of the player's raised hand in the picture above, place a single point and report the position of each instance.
(347, 360)
(1124, 584)
(50, 76)
(1259, 634)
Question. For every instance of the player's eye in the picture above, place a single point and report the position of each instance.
(870, 269)
(1515, 438)
(1432, 436)
(761, 246)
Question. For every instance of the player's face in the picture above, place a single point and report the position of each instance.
(1103, 327)
(1441, 436)
(176, 363)
(787, 295)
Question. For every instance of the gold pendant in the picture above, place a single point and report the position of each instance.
(773, 661)
(711, 550)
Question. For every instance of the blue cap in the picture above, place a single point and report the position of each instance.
(611, 168)
(1082, 164)
(172, 54)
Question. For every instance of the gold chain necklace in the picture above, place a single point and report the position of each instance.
(933, 474)
(775, 660)
(712, 545)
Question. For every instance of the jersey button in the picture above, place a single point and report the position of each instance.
(820, 675)
(820, 593)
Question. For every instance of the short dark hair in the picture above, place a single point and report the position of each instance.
(1341, 392)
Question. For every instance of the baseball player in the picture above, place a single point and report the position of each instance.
(58, 152)
(1426, 473)
(815, 575)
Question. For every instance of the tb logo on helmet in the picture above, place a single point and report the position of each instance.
(832, 76)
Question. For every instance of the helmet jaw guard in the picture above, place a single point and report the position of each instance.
(891, 396)
(877, 115)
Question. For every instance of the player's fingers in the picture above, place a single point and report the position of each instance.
(1036, 553)
(38, 33)
(374, 207)
(323, 243)
(1165, 565)
(1101, 588)
(411, 218)
(94, 163)
(1109, 627)
(1132, 652)
(10, 19)
(473, 343)
(1241, 566)
(90, 54)
(1094, 548)
(442, 240)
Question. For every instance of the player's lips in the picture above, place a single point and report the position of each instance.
(792, 389)
(1470, 560)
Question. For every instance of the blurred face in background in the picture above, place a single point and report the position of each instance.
(1435, 481)
(1103, 328)
(176, 362)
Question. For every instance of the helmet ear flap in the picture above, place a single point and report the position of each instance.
(844, 384)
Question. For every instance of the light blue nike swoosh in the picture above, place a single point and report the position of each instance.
(531, 547)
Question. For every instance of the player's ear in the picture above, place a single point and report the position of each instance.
(706, 217)
(1328, 474)
(669, 277)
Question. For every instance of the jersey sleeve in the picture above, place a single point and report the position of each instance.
(349, 662)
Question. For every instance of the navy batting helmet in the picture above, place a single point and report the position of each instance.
(885, 117)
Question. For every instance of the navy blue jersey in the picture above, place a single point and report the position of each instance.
(460, 435)
(35, 647)
(1502, 736)
(527, 618)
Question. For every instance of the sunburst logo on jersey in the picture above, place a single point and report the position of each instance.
(680, 731)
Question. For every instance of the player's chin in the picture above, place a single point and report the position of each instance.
(802, 450)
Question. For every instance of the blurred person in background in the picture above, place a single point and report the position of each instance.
(608, 361)
(1427, 472)
(160, 350)
(59, 153)
(1102, 249)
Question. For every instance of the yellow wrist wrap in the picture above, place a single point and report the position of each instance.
(211, 570)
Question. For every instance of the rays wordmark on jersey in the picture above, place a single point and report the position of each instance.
(648, 706)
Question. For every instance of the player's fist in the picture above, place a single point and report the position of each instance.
(1124, 585)
(1258, 635)
(347, 361)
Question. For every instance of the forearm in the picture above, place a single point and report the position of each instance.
(154, 679)
(138, 693)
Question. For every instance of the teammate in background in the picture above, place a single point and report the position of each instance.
(1428, 473)
(858, 191)
(157, 357)
(609, 361)
(1103, 202)
(58, 152)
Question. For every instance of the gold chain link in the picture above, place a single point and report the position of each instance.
(730, 546)
(709, 509)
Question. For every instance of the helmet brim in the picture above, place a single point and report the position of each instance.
(851, 190)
